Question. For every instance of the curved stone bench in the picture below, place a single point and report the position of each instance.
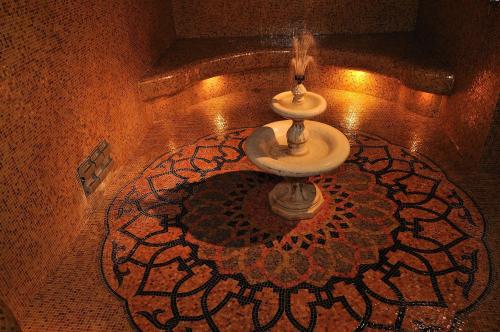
(396, 55)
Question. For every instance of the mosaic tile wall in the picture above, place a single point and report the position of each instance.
(201, 18)
(490, 158)
(68, 78)
(467, 33)
(7, 321)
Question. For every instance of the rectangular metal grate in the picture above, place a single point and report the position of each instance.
(95, 168)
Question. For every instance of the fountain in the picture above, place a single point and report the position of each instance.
(297, 148)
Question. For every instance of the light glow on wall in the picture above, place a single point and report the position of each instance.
(424, 103)
(357, 79)
(359, 76)
(426, 97)
(213, 86)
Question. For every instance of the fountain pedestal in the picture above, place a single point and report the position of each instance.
(297, 149)
(296, 198)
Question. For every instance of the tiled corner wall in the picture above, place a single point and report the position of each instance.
(490, 157)
(8, 322)
(68, 78)
(467, 33)
(216, 18)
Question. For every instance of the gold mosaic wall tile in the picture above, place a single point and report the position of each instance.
(216, 18)
(466, 32)
(68, 78)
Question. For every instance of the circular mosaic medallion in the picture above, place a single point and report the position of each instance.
(229, 219)
(192, 245)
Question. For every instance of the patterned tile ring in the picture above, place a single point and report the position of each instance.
(191, 245)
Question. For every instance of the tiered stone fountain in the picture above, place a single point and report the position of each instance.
(296, 148)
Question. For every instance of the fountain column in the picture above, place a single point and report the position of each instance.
(297, 137)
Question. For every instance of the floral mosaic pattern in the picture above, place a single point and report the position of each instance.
(192, 245)
(229, 219)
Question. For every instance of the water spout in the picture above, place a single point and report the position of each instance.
(301, 60)
(299, 63)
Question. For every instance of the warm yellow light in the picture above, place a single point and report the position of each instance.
(213, 85)
(358, 76)
(220, 122)
(356, 80)
(415, 143)
(426, 97)
(171, 146)
(351, 118)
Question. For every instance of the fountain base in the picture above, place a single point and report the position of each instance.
(296, 199)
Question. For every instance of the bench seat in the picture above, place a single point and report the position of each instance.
(396, 55)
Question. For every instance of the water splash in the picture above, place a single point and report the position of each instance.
(301, 59)
(301, 47)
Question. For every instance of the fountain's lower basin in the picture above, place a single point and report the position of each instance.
(327, 147)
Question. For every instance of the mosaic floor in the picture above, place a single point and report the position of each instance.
(191, 245)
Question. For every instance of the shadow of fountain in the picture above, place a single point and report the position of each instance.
(269, 145)
(232, 210)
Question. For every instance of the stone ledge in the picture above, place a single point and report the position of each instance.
(397, 55)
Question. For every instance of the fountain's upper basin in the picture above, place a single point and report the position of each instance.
(267, 148)
(311, 106)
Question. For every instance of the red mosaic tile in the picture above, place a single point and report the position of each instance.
(191, 244)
